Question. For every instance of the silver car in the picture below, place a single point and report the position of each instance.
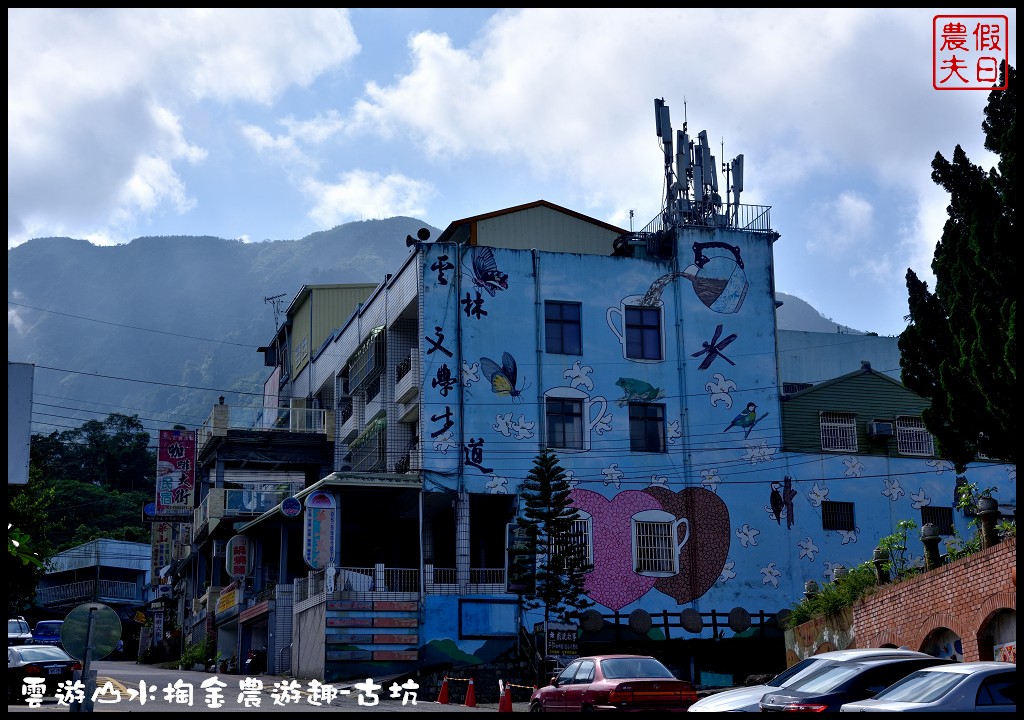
(962, 687)
(747, 699)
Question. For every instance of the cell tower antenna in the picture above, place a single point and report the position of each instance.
(276, 301)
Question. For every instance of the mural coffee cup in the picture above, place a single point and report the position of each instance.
(640, 529)
(616, 317)
(594, 411)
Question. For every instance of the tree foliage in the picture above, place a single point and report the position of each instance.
(548, 522)
(960, 348)
(83, 484)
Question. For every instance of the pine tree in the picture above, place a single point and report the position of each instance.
(559, 554)
(960, 348)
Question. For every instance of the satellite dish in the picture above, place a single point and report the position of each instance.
(75, 633)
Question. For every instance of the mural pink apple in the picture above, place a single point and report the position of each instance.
(615, 584)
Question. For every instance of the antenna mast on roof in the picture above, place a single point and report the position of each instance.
(276, 301)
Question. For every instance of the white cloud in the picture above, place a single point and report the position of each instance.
(361, 195)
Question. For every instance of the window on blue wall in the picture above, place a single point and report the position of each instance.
(646, 427)
(564, 422)
(562, 332)
(940, 517)
(643, 333)
(837, 516)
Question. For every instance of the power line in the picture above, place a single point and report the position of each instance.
(131, 327)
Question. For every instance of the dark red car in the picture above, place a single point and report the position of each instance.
(622, 683)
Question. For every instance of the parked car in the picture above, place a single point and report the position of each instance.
(47, 632)
(832, 683)
(747, 699)
(963, 687)
(18, 632)
(614, 682)
(45, 661)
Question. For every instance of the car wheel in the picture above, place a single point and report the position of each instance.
(587, 708)
(536, 707)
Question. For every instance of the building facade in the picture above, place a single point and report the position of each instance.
(649, 363)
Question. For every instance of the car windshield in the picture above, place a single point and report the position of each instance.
(42, 653)
(781, 679)
(825, 678)
(45, 628)
(17, 626)
(921, 687)
(616, 668)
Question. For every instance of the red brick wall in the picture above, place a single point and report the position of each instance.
(962, 596)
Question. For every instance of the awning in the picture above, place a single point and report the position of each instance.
(339, 479)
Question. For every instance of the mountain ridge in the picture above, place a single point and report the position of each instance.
(192, 311)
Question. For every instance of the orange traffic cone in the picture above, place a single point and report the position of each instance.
(505, 704)
(442, 698)
(470, 695)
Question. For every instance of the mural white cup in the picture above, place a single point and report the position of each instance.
(648, 541)
(616, 317)
(594, 409)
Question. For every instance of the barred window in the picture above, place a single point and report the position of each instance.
(940, 517)
(912, 438)
(580, 537)
(655, 545)
(837, 516)
(838, 431)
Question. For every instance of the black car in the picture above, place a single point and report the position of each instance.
(830, 684)
(48, 662)
(18, 632)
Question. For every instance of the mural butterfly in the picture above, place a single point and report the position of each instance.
(504, 377)
(486, 273)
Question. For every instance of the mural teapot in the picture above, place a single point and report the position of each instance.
(718, 277)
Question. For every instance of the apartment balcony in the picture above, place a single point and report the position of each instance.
(105, 591)
(346, 414)
(223, 503)
(264, 419)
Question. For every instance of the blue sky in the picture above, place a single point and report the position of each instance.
(274, 124)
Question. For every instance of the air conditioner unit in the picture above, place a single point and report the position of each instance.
(879, 429)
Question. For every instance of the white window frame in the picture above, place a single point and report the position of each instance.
(838, 431)
(912, 437)
(655, 548)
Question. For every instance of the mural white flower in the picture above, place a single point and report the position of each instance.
(817, 495)
(579, 376)
(770, 575)
(612, 475)
(854, 467)
(919, 500)
(727, 571)
(711, 479)
(807, 548)
(497, 485)
(747, 535)
(893, 491)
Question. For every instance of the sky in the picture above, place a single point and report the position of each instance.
(275, 124)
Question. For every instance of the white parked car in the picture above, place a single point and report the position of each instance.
(961, 687)
(747, 699)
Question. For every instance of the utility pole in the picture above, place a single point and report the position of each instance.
(276, 301)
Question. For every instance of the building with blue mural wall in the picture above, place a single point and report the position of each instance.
(648, 362)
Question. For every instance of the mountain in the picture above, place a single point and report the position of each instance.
(162, 326)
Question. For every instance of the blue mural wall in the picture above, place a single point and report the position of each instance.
(747, 516)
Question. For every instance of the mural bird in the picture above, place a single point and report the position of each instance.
(775, 500)
(746, 420)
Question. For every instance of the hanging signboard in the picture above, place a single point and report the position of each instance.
(175, 474)
(238, 557)
(320, 530)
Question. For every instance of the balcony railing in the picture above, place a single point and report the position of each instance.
(298, 420)
(109, 590)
